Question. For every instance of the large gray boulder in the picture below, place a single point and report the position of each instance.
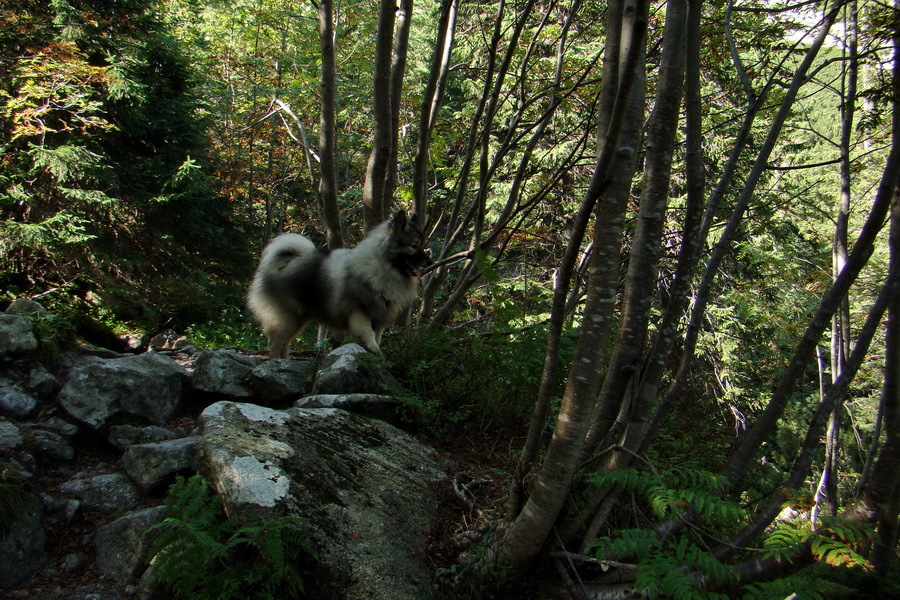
(16, 336)
(26, 307)
(364, 485)
(148, 386)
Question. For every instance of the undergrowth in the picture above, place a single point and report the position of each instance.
(484, 382)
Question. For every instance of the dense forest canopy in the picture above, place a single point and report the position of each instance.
(665, 235)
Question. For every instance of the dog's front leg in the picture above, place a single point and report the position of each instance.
(361, 327)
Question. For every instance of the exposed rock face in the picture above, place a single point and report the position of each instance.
(149, 386)
(281, 379)
(362, 483)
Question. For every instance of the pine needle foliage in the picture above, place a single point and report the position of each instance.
(201, 554)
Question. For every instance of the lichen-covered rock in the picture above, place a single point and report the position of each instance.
(148, 386)
(364, 485)
(122, 436)
(108, 493)
(51, 448)
(387, 408)
(26, 307)
(42, 383)
(10, 436)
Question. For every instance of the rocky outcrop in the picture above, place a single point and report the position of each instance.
(267, 445)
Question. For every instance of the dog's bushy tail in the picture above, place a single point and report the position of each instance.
(285, 246)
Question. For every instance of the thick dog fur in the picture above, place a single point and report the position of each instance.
(359, 291)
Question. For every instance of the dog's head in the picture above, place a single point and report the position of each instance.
(407, 245)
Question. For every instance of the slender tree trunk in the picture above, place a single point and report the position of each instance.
(398, 72)
(605, 257)
(431, 101)
(376, 170)
(528, 532)
(640, 281)
(328, 207)
(827, 490)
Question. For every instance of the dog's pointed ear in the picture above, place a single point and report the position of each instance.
(398, 221)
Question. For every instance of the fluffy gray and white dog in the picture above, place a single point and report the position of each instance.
(359, 290)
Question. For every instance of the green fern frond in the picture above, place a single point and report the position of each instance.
(201, 554)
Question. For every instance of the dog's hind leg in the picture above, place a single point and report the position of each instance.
(360, 326)
(280, 338)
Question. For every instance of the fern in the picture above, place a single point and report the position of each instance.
(201, 554)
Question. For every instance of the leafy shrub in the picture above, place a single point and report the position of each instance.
(232, 328)
(201, 554)
(485, 381)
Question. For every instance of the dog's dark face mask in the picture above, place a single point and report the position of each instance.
(408, 242)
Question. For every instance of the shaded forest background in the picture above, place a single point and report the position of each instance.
(665, 234)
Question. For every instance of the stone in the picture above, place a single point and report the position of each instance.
(60, 426)
(43, 383)
(22, 548)
(51, 447)
(351, 369)
(365, 486)
(16, 336)
(149, 465)
(26, 307)
(14, 402)
(387, 408)
(223, 372)
(123, 546)
(10, 436)
(122, 436)
(148, 386)
(280, 379)
(107, 493)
